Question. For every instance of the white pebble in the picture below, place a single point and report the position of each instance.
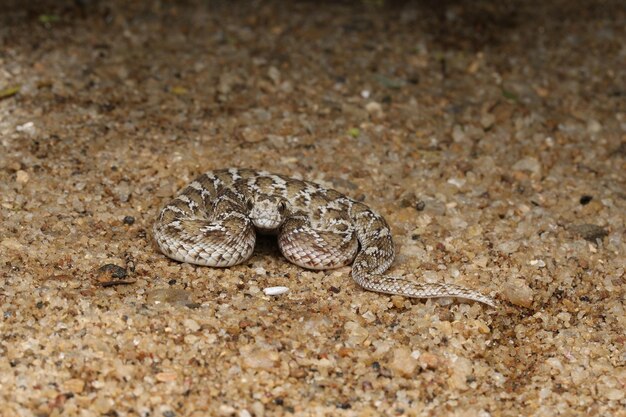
(538, 263)
(275, 290)
(28, 127)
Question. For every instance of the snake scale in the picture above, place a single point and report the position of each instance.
(213, 221)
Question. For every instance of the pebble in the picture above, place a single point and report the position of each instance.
(539, 263)
(508, 246)
(403, 362)
(252, 135)
(529, 164)
(74, 385)
(191, 325)
(12, 243)
(487, 120)
(461, 370)
(430, 361)
(274, 74)
(166, 376)
(21, 177)
(170, 296)
(260, 359)
(593, 126)
(374, 109)
(28, 127)
(226, 410)
(258, 409)
(122, 191)
(518, 292)
(589, 232)
(356, 334)
(112, 271)
(275, 290)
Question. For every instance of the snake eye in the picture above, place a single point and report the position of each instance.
(249, 203)
(282, 206)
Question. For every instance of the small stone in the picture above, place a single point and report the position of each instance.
(482, 327)
(614, 394)
(430, 361)
(191, 325)
(252, 135)
(166, 376)
(585, 199)
(21, 177)
(403, 363)
(589, 232)
(112, 271)
(518, 292)
(122, 191)
(374, 109)
(170, 296)
(258, 409)
(129, 220)
(457, 182)
(74, 385)
(260, 359)
(12, 243)
(275, 290)
(102, 405)
(508, 247)
(274, 74)
(529, 164)
(226, 410)
(369, 316)
(28, 127)
(487, 120)
(356, 334)
(593, 126)
(461, 370)
(539, 263)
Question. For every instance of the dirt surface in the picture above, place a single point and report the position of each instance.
(491, 135)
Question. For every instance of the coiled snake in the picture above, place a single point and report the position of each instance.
(213, 221)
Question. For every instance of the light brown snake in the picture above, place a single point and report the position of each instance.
(213, 221)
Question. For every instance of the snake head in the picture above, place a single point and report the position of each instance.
(267, 212)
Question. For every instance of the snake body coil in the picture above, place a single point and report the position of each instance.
(213, 221)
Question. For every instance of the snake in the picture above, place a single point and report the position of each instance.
(214, 220)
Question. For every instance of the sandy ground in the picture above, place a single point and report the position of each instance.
(491, 135)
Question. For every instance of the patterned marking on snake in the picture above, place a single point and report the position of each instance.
(213, 221)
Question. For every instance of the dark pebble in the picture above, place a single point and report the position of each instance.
(585, 199)
(129, 220)
(113, 270)
(589, 232)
